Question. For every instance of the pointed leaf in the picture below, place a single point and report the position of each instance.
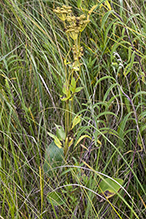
(55, 198)
(79, 2)
(60, 133)
(105, 17)
(76, 120)
(108, 5)
(73, 82)
(82, 137)
(91, 10)
(130, 65)
(69, 141)
(65, 98)
(78, 89)
(73, 85)
(109, 188)
(57, 141)
(64, 90)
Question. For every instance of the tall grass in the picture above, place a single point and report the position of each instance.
(33, 46)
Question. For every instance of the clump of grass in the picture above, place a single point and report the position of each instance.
(112, 103)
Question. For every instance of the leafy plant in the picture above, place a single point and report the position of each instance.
(87, 86)
(73, 27)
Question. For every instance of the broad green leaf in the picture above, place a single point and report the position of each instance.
(76, 120)
(73, 82)
(79, 2)
(109, 188)
(73, 85)
(60, 133)
(78, 89)
(55, 198)
(64, 90)
(54, 157)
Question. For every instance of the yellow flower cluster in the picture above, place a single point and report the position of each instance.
(77, 52)
(62, 12)
(74, 24)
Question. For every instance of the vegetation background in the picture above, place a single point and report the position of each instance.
(112, 105)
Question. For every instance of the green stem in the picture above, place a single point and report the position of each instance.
(67, 127)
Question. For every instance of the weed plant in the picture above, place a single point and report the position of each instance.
(103, 173)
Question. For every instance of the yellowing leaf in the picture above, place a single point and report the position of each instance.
(76, 120)
(108, 5)
(65, 98)
(109, 187)
(56, 140)
(69, 141)
(82, 137)
(91, 10)
(83, 146)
